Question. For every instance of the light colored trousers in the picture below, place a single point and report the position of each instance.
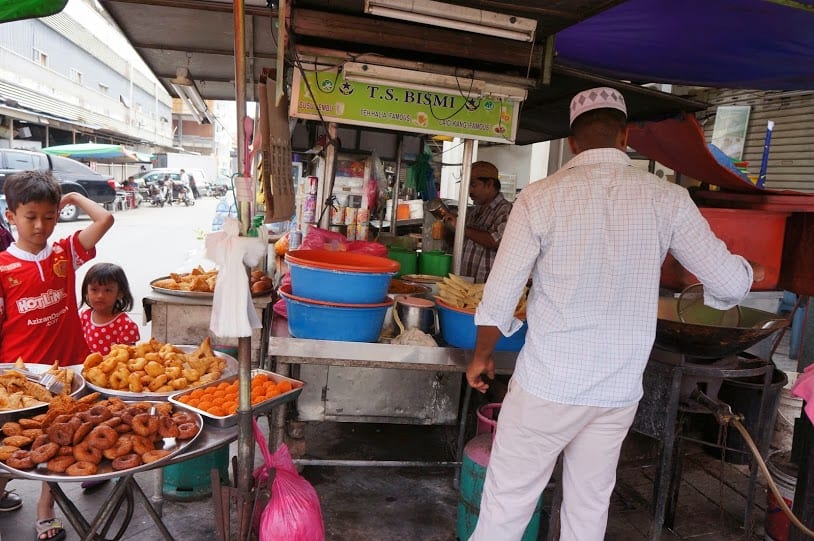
(531, 433)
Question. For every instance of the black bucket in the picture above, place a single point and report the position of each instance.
(744, 396)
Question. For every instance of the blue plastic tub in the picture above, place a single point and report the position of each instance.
(340, 277)
(459, 330)
(319, 320)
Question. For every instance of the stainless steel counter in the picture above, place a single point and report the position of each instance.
(376, 355)
(436, 362)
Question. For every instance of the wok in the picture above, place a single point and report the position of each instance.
(712, 341)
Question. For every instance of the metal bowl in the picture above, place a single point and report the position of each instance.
(231, 368)
(77, 389)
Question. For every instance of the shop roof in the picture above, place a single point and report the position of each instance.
(198, 35)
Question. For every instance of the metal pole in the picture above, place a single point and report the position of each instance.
(327, 182)
(396, 187)
(463, 199)
(245, 446)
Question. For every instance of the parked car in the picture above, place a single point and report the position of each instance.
(73, 176)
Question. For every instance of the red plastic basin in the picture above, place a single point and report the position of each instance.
(756, 235)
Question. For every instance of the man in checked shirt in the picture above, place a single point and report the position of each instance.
(593, 237)
(484, 223)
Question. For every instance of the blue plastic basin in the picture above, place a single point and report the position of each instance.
(340, 277)
(459, 330)
(319, 320)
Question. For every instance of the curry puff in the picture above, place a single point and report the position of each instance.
(18, 392)
(198, 280)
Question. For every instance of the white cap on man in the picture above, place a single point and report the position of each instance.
(596, 98)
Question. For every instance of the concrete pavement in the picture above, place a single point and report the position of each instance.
(149, 242)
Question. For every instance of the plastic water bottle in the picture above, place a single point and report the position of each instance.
(294, 234)
(221, 212)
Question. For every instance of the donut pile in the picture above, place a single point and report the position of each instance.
(74, 440)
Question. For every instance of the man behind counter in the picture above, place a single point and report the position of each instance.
(484, 223)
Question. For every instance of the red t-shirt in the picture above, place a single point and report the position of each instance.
(39, 319)
(99, 337)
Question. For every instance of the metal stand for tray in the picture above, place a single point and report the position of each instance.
(125, 489)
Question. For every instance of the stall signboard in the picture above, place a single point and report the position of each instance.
(402, 108)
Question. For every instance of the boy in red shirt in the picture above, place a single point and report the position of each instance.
(38, 313)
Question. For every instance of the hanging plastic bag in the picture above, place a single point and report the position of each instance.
(322, 239)
(293, 512)
(367, 247)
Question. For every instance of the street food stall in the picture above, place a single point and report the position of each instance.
(172, 35)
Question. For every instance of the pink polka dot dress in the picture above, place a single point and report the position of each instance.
(119, 330)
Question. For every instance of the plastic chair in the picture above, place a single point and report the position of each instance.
(121, 201)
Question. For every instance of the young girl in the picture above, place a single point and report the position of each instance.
(106, 291)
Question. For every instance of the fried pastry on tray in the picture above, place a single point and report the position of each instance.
(18, 392)
(167, 283)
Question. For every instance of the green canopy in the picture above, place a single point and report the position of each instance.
(14, 10)
(98, 152)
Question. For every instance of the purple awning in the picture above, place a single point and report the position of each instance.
(754, 44)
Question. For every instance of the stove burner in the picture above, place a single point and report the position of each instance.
(707, 375)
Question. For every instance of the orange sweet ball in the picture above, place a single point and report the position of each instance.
(222, 399)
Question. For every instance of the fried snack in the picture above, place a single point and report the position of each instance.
(6, 451)
(459, 293)
(155, 367)
(17, 441)
(18, 392)
(196, 280)
(203, 281)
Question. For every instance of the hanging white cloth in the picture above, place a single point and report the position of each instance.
(233, 313)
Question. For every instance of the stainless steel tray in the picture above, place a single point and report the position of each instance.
(231, 368)
(422, 278)
(77, 389)
(105, 469)
(179, 292)
(258, 409)
(193, 294)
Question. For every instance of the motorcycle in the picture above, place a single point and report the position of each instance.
(216, 190)
(182, 194)
(156, 195)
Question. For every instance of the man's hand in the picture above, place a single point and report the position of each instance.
(478, 367)
(758, 272)
(482, 361)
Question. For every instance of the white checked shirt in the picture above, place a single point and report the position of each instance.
(593, 237)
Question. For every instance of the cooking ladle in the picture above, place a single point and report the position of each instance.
(690, 308)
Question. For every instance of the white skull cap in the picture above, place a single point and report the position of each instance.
(596, 98)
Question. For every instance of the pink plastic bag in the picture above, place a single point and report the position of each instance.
(293, 512)
(322, 239)
(368, 247)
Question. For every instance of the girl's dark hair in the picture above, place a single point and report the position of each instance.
(106, 273)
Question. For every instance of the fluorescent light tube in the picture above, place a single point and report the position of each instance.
(462, 18)
(430, 82)
(185, 87)
(418, 80)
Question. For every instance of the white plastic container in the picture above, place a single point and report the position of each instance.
(416, 209)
